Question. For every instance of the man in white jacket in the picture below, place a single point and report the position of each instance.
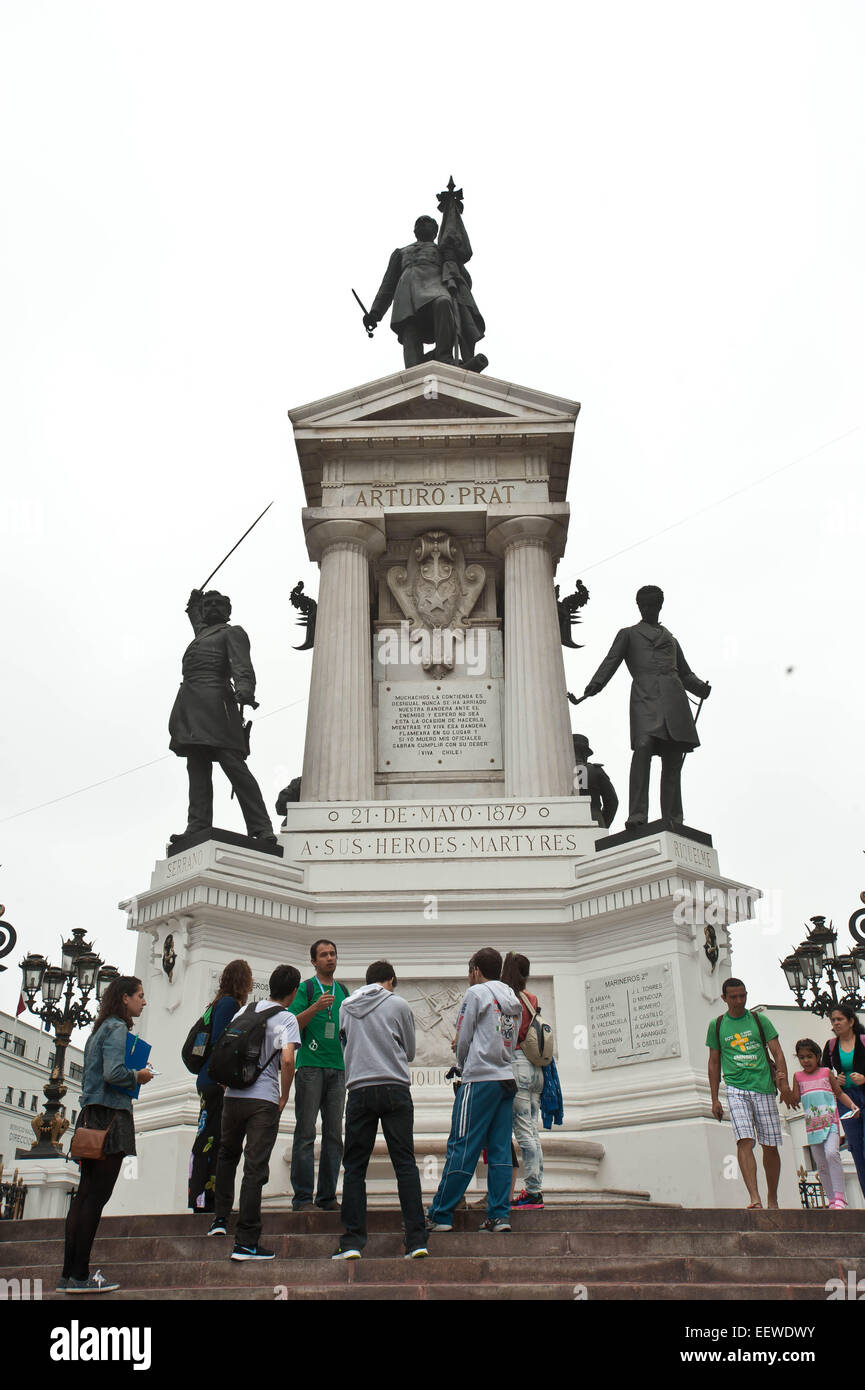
(377, 1035)
(486, 1038)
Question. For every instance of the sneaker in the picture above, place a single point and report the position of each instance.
(332, 1205)
(528, 1201)
(97, 1283)
(497, 1224)
(62, 1283)
(304, 1206)
(251, 1252)
(217, 1228)
(419, 1253)
(438, 1225)
(347, 1254)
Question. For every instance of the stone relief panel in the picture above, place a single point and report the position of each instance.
(436, 1005)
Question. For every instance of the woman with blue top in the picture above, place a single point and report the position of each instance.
(845, 1054)
(105, 1104)
(235, 987)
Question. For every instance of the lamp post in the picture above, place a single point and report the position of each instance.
(80, 969)
(817, 956)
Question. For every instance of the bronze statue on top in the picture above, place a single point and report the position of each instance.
(206, 723)
(662, 724)
(431, 291)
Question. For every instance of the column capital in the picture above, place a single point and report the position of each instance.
(541, 523)
(360, 528)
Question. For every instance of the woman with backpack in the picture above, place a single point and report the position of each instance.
(530, 1083)
(106, 1105)
(235, 986)
(845, 1054)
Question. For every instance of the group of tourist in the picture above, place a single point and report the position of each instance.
(744, 1047)
(330, 1043)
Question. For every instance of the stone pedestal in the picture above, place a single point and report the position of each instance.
(50, 1183)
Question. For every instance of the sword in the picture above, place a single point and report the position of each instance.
(234, 547)
(369, 331)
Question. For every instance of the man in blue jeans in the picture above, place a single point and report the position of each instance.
(487, 1032)
(379, 1042)
(319, 1084)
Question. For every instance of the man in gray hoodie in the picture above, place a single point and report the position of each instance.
(487, 1031)
(377, 1035)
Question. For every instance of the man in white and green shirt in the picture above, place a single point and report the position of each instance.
(739, 1045)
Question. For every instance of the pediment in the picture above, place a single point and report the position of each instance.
(433, 392)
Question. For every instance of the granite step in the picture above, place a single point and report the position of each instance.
(495, 1269)
(591, 1220)
(531, 1245)
(639, 1254)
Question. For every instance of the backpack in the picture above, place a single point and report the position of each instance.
(539, 1043)
(769, 1058)
(234, 1059)
(196, 1049)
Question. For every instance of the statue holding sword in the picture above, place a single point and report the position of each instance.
(431, 292)
(206, 723)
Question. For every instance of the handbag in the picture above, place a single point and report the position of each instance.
(89, 1143)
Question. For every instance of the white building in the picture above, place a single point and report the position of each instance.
(26, 1059)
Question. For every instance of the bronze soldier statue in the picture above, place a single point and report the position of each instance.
(662, 724)
(431, 291)
(595, 782)
(206, 723)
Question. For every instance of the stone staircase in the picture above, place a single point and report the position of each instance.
(591, 1251)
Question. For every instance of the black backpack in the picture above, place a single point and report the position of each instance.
(196, 1049)
(234, 1059)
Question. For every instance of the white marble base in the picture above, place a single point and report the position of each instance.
(643, 1127)
(50, 1183)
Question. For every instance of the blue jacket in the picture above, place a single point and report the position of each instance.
(552, 1105)
(105, 1067)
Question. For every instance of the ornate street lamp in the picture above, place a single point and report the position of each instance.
(81, 969)
(817, 956)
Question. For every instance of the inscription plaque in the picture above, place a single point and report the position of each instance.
(439, 726)
(632, 1016)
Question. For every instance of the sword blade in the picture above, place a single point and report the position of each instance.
(234, 547)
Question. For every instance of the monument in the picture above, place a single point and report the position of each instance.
(440, 807)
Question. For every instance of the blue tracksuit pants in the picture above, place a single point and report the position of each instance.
(482, 1118)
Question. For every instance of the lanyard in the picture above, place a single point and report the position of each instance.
(332, 990)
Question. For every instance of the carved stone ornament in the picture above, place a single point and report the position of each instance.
(436, 591)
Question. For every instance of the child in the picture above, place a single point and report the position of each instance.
(818, 1089)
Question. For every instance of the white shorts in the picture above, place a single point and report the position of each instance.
(754, 1115)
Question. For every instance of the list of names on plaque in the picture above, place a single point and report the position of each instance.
(632, 1017)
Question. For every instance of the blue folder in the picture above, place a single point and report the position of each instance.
(137, 1054)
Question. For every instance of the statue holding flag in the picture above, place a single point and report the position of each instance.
(431, 291)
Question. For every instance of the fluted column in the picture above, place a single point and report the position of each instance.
(338, 763)
(539, 754)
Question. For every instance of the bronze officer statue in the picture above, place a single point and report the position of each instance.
(662, 724)
(206, 724)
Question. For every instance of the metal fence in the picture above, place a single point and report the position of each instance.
(13, 1195)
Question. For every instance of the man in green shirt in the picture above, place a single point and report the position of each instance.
(738, 1044)
(319, 1083)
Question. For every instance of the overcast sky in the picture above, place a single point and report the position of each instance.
(666, 208)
